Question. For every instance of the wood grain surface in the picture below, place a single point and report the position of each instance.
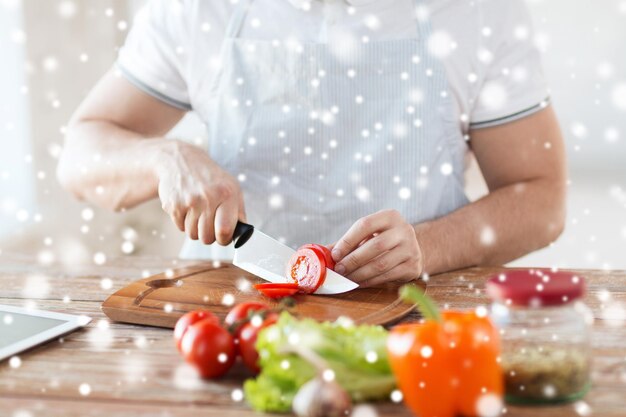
(162, 298)
(132, 370)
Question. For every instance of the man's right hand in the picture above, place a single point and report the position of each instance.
(202, 199)
(115, 156)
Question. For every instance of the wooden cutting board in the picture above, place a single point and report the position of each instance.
(161, 299)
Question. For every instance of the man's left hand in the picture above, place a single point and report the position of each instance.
(379, 248)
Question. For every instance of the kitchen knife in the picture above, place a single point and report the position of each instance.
(267, 258)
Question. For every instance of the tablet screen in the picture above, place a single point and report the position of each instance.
(15, 327)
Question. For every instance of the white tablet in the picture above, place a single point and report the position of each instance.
(22, 329)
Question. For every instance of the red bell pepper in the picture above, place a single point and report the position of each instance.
(448, 364)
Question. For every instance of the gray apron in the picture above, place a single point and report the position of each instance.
(319, 140)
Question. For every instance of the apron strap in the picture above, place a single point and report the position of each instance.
(237, 19)
(421, 22)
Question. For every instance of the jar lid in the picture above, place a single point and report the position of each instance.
(535, 287)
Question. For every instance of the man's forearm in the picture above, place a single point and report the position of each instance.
(502, 226)
(109, 166)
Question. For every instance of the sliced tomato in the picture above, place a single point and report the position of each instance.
(308, 268)
(272, 290)
(330, 263)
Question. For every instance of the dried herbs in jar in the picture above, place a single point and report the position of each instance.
(545, 335)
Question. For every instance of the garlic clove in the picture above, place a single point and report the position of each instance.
(320, 398)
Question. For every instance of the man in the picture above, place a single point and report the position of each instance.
(343, 121)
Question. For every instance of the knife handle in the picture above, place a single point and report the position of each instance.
(242, 233)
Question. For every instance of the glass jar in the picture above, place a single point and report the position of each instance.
(545, 335)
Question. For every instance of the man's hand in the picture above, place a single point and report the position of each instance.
(379, 248)
(202, 199)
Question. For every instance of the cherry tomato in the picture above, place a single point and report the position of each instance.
(308, 268)
(330, 263)
(209, 348)
(241, 311)
(237, 317)
(272, 290)
(247, 341)
(188, 319)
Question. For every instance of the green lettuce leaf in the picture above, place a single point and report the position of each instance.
(356, 354)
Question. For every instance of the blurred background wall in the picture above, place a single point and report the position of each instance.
(53, 51)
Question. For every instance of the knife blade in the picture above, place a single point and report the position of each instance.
(266, 258)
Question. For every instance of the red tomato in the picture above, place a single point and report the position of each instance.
(247, 341)
(241, 311)
(330, 263)
(277, 290)
(188, 319)
(308, 268)
(209, 348)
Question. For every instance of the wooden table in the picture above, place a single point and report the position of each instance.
(113, 369)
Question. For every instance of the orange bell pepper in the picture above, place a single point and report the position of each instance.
(448, 364)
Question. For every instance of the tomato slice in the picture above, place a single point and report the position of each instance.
(308, 268)
(330, 263)
(273, 290)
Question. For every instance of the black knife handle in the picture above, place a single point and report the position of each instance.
(242, 233)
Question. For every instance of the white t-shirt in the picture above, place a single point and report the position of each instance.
(486, 46)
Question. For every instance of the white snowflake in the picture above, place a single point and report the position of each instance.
(604, 70)
(100, 337)
(489, 405)
(487, 236)
(328, 375)
(426, 351)
(87, 214)
(404, 193)
(364, 410)
(611, 134)
(579, 130)
(400, 130)
(440, 44)
(15, 362)
(371, 356)
(18, 36)
(484, 55)
(36, 286)
(582, 408)
(372, 22)
(542, 41)
(363, 194)
(446, 168)
(84, 389)
(396, 396)
(228, 299)
(99, 258)
(618, 96)
(493, 95)
(521, 32)
(67, 9)
(127, 247)
(344, 43)
(106, 283)
(236, 395)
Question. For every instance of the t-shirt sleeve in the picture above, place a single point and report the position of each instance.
(153, 56)
(514, 85)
